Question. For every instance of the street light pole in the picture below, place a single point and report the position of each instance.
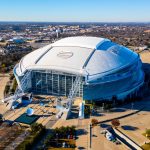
(90, 135)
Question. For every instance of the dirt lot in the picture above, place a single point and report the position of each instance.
(8, 134)
(3, 81)
(145, 56)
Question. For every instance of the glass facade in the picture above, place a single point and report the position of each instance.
(54, 83)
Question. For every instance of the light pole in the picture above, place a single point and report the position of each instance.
(90, 135)
(103, 105)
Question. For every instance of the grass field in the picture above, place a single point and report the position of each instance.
(146, 146)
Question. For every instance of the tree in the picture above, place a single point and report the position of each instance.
(14, 85)
(87, 110)
(7, 88)
(11, 77)
(148, 45)
(115, 123)
(147, 132)
(35, 127)
(94, 122)
(1, 118)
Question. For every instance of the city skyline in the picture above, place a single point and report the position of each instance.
(75, 11)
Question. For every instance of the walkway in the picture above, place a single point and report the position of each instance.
(82, 136)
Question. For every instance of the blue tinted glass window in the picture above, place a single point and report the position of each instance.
(105, 45)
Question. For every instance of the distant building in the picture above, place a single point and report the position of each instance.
(141, 48)
(58, 31)
(18, 40)
(1, 39)
(2, 51)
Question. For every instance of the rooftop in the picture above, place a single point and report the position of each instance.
(78, 55)
(80, 41)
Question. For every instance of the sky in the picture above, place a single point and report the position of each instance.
(75, 10)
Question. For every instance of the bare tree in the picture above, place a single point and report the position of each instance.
(115, 123)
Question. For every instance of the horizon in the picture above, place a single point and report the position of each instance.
(86, 22)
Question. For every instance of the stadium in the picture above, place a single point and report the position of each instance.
(88, 67)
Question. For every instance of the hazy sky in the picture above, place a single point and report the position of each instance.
(75, 10)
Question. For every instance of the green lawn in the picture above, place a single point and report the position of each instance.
(145, 136)
(146, 146)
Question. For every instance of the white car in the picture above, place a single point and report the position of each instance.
(109, 136)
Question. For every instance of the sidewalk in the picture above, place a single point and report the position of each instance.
(82, 141)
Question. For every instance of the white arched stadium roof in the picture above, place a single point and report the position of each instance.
(78, 55)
